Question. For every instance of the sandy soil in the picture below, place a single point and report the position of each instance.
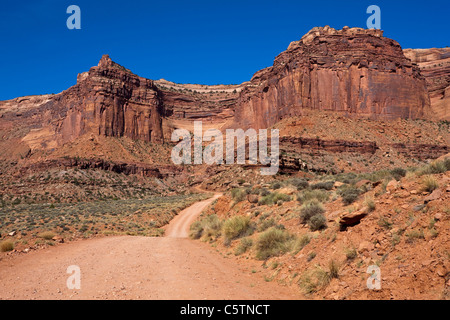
(171, 267)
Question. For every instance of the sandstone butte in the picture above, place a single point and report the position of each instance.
(353, 71)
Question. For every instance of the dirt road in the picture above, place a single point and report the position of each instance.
(127, 267)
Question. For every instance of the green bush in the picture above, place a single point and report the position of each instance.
(301, 242)
(317, 278)
(272, 242)
(349, 195)
(300, 184)
(272, 198)
(414, 235)
(370, 204)
(307, 195)
(446, 162)
(254, 191)
(351, 253)
(430, 183)
(317, 222)
(327, 185)
(209, 226)
(238, 195)
(266, 224)
(348, 178)
(310, 209)
(280, 197)
(275, 185)
(385, 223)
(235, 227)
(435, 167)
(243, 246)
(398, 173)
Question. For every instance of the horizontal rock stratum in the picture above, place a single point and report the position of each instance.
(434, 65)
(354, 71)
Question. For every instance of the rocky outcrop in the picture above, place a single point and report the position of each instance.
(107, 100)
(293, 152)
(354, 71)
(434, 65)
(110, 100)
(140, 169)
(421, 151)
(330, 145)
(195, 101)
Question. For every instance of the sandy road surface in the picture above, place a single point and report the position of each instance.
(127, 267)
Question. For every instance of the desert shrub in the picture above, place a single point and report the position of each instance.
(349, 195)
(307, 195)
(308, 282)
(327, 185)
(209, 226)
(236, 227)
(311, 256)
(310, 209)
(47, 235)
(347, 178)
(414, 235)
(238, 195)
(274, 197)
(272, 242)
(351, 253)
(243, 246)
(317, 278)
(266, 224)
(6, 245)
(377, 175)
(370, 204)
(300, 184)
(265, 200)
(446, 163)
(196, 230)
(398, 173)
(317, 222)
(281, 197)
(333, 269)
(264, 192)
(434, 167)
(429, 183)
(254, 191)
(275, 185)
(312, 213)
(385, 223)
(300, 243)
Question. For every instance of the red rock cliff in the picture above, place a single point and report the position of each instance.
(354, 71)
(109, 100)
(434, 65)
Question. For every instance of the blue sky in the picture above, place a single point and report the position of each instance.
(205, 42)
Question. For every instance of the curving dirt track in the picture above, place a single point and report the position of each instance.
(172, 267)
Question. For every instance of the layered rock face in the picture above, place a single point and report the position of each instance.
(195, 101)
(354, 71)
(141, 169)
(109, 100)
(434, 65)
